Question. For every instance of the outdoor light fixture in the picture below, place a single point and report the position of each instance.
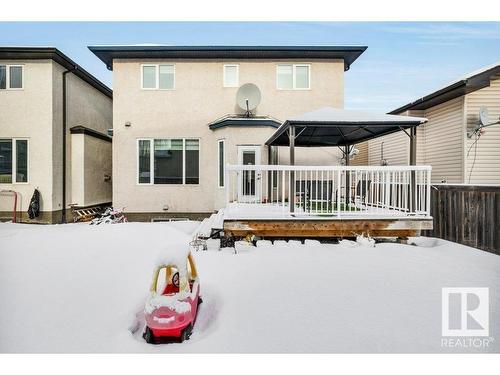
(128, 124)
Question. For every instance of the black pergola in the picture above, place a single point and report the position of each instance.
(327, 127)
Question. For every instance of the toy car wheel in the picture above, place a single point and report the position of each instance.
(186, 333)
(149, 336)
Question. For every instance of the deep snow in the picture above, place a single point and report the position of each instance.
(78, 288)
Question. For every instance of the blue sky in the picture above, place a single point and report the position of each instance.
(403, 61)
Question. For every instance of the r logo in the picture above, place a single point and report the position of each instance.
(465, 312)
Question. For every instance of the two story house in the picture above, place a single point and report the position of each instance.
(176, 122)
(54, 119)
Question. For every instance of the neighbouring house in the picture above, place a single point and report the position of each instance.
(447, 141)
(54, 122)
(177, 123)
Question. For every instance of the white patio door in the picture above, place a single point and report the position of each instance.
(249, 182)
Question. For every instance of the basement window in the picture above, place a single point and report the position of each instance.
(168, 161)
(13, 161)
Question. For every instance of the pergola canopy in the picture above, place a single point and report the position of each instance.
(339, 127)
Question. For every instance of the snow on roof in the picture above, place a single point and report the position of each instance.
(457, 82)
(330, 114)
(471, 74)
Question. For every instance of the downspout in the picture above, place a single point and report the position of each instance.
(63, 216)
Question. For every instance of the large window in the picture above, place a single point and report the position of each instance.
(231, 74)
(221, 162)
(168, 161)
(11, 77)
(158, 77)
(13, 161)
(293, 77)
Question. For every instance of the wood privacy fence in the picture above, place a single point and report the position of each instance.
(467, 214)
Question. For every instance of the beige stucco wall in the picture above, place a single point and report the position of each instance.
(88, 107)
(197, 100)
(35, 112)
(486, 168)
(78, 169)
(90, 164)
(27, 113)
(98, 157)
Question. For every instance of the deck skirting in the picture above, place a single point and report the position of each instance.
(402, 227)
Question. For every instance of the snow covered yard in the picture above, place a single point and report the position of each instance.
(77, 288)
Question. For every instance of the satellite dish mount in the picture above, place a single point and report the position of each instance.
(483, 123)
(248, 98)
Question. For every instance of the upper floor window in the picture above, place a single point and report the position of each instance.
(158, 77)
(293, 77)
(11, 77)
(231, 75)
(13, 161)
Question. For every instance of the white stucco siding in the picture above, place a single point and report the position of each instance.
(27, 113)
(198, 99)
(486, 168)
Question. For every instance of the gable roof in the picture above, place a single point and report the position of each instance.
(470, 82)
(107, 53)
(52, 53)
(339, 127)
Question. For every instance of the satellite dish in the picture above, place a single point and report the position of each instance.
(248, 97)
(483, 116)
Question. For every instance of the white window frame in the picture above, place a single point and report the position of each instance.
(152, 162)
(294, 73)
(223, 141)
(157, 77)
(14, 161)
(7, 77)
(224, 83)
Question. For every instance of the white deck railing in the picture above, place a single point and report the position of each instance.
(371, 191)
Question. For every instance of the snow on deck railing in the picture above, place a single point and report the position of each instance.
(374, 191)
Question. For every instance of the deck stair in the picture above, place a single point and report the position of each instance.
(208, 228)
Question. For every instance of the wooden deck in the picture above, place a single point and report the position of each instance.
(297, 227)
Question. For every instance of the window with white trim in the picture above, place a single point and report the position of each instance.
(168, 161)
(293, 76)
(231, 75)
(13, 160)
(158, 77)
(221, 152)
(11, 77)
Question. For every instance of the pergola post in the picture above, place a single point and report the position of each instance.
(413, 161)
(269, 173)
(347, 177)
(291, 197)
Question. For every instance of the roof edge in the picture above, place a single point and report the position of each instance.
(79, 129)
(108, 53)
(464, 86)
(52, 53)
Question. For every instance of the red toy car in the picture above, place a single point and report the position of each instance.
(171, 309)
